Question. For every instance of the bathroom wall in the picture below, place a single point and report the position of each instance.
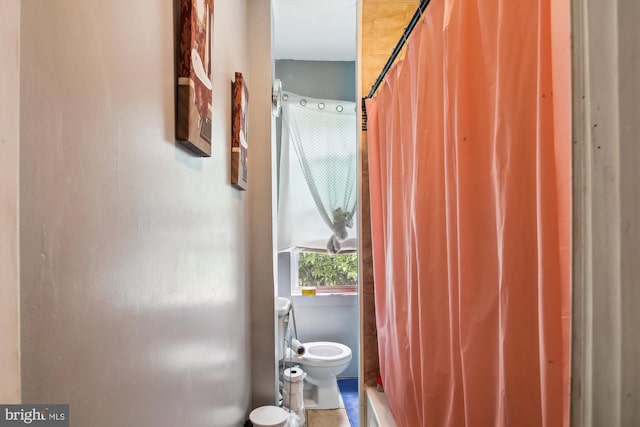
(9, 136)
(134, 253)
(606, 213)
(318, 79)
(261, 207)
(321, 318)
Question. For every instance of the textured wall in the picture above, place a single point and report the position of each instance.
(383, 22)
(9, 278)
(135, 305)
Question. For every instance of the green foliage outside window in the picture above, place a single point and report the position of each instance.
(322, 269)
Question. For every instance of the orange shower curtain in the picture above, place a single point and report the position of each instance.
(469, 163)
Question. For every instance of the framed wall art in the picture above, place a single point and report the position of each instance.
(239, 130)
(194, 109)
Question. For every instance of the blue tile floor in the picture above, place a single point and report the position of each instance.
(349, 391)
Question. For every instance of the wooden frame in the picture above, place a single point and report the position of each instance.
(605, 375)
(240, 127)
(194, 97)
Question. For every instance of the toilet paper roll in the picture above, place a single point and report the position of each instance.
(297, 347)
(293, 401)
(293, 388)
(293, 375)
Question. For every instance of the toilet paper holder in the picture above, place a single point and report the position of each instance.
(294, 342)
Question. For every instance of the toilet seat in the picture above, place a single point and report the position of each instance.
(322, 362)
(323, 353)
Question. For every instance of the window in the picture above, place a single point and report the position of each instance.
(323, 273)
(317, 194)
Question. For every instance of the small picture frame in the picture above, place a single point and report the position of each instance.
(194, 95)
(239, 133)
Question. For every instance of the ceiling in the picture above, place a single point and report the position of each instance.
(315, 30)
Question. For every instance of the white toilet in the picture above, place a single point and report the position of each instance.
(323, 362)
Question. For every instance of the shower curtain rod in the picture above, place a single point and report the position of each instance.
(398, 48)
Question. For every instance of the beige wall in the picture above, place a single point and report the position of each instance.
(606, 202)
(9, 131)
(262, 209)
(135, 254)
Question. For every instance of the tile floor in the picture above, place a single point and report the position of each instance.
(327, 418)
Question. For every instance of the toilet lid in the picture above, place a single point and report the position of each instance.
(268, 416)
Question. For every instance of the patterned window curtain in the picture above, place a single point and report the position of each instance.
(317, 174)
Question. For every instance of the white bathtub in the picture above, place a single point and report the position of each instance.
(378, 413)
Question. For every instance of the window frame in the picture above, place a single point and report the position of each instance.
(296, 290)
